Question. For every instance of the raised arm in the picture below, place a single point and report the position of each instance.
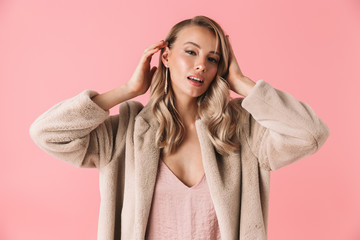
(80, 131)
(279, 129)
(138, 84)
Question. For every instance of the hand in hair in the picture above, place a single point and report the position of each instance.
(138, 84)
(238, 82)
(141, 79)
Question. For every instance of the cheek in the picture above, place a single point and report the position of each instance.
(213, 74)
(183, 63)
(181, 68)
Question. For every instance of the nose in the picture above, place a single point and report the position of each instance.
(200, 65)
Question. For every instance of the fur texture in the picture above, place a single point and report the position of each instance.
(277, 130)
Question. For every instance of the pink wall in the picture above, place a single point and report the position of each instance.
(52, 50)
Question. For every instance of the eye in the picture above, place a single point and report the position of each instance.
(213, 60)
(190, 52)
(193, 53)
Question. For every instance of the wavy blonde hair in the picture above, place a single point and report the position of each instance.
(214, 106)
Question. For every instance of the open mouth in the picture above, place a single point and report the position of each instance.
(195, 79)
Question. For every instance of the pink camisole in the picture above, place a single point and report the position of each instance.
(179, 211)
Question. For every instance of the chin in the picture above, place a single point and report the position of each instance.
(196, 93)
(189, 91)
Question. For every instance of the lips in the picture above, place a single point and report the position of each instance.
(196, 78)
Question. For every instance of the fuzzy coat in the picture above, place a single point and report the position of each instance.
(277, 130)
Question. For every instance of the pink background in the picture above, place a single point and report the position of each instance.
(53, 50)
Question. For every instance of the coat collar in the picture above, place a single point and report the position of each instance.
(222, 174)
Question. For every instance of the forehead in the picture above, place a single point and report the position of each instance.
(199, 35)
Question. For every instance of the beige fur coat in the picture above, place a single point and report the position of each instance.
(277, 130)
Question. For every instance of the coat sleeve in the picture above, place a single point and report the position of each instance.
(80, 132)
(281, 129)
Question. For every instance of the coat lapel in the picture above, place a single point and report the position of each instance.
(222, 174)
(146, 165)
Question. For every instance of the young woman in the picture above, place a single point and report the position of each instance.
(192, 163)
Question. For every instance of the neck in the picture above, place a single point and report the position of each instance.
(187, 109)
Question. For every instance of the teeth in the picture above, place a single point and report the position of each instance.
(196, 79)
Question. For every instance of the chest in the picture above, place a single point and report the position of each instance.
(186, 162)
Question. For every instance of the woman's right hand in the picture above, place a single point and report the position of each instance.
(138, 84)
(141, 79)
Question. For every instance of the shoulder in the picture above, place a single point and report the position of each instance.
(127, 113)
(130, 107)
(136, 110)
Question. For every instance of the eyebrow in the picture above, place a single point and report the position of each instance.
(197, 45)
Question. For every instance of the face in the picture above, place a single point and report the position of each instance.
(192, 61)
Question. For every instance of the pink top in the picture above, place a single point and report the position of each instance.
(179, 211)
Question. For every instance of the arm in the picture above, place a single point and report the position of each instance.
(138, 84)
(80, 131)
(114, 97)
(281, 129)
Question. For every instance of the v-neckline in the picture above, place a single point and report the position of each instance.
(181, 182)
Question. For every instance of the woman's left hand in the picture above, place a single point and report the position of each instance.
(238, 82)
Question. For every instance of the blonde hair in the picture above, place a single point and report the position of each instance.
(214, 106)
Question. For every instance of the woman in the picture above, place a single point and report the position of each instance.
(191, 164)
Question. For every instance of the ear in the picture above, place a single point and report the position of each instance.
(165, 56)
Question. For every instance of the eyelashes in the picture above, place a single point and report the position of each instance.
(211, 59)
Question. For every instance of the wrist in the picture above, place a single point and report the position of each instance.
(128, 91)
(248, 85)
(243, 85)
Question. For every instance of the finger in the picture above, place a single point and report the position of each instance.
(156, 45)
(148, 55)
(149, 52)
